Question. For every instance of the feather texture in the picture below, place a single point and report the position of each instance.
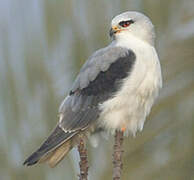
(98, 80)
(81, 108)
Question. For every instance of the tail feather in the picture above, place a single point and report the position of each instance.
(46, 157)
(59, 154)
(52, 149)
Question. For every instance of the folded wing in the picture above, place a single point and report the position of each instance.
(99, 78)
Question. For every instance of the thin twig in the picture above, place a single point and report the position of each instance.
(83, 160)
(117, 155)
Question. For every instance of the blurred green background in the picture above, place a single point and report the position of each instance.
(43, 43)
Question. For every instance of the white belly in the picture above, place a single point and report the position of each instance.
(130, 106)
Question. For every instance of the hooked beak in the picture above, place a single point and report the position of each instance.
(113, 30)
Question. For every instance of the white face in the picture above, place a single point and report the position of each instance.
(133, 23)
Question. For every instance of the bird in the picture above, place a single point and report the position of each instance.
(114, 90)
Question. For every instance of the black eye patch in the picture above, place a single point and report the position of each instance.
(126, 23)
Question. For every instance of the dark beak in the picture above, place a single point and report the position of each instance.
(111, 32)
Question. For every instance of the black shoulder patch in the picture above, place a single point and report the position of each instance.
(82, 110)
(107, 82)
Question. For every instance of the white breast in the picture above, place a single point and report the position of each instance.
(130, 106)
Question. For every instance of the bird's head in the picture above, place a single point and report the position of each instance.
(132, 23)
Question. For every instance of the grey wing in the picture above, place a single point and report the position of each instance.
(77, 111)
(97, 81)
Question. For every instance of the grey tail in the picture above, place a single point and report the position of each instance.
(56, 139)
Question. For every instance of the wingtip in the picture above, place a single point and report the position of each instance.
(29, 163)
(33, 159)
(25, 163)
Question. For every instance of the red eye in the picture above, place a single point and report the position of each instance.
(126, 23)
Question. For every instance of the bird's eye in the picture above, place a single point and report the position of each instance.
(126, 23)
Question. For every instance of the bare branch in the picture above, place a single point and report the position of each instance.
(117, 155)
(83, 160)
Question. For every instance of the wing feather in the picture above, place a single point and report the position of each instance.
(97, 81)
(57, 138)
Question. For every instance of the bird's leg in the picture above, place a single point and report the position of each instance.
(117, 155)
(83, 160)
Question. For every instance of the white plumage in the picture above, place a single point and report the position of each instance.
(132, 103)
(115, 89)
